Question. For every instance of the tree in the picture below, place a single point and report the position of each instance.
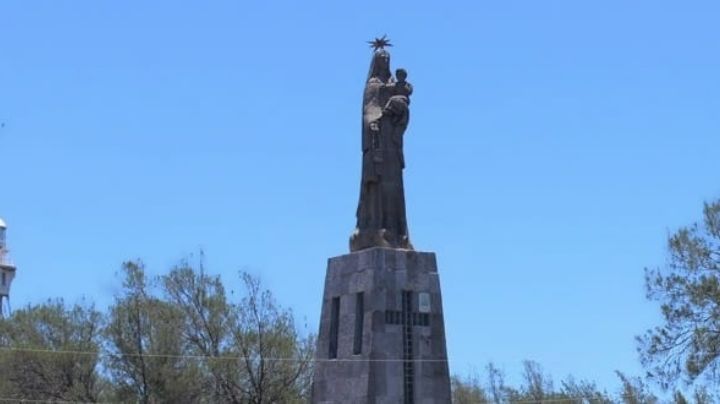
(181, 342)
(496, 383)
(634, 391)
(147, 359)
(206, 328)
(538, 385)
(254, 353)
(536, 389)
(276, 359)
(702, 396)
(53, 353)
(584, 392)
(539, 388)
(468, 390)
(687, 344)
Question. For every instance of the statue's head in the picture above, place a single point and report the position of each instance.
(382, 58)
(401, 74)
(380, 66)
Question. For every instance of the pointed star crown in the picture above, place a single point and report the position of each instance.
(380, 43)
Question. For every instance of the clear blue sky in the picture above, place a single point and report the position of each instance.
(553, 146)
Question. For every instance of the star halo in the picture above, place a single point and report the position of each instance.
(380, 43)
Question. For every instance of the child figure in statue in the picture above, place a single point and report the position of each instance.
(401, 87)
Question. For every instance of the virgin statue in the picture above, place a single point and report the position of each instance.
(381, 220)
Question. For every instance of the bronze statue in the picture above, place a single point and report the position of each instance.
(381, 220)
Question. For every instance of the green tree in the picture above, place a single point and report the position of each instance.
(276, 360)
(635, 391)
(496, 383)
(205, 327)
(687, 344)
(584, 392)
(700, 396)
(253, 351)
(538, 384)
(146, 355)
(468, 390)
(51, 353)
(703, 396)
(537, 387)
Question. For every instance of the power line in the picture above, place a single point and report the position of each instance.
(231, 357)
(234, 358)
(591, 400)
(30, 400)
(582, 399)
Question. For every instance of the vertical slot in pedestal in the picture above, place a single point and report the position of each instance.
(408, 370)
(334, 327)
(359, 320)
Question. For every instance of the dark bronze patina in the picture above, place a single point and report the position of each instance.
(381, 218)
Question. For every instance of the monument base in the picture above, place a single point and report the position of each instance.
(382, 333)
(364, 239)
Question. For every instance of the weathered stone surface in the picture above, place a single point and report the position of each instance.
(376, 374)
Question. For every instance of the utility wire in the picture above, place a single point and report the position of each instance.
(29, 400)
(591, 400)
(233, 357)
(107, 354)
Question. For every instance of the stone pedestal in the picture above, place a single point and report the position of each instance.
(382, 333)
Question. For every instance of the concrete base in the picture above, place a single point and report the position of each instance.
(386, 345)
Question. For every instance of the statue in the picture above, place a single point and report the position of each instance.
(381, 219)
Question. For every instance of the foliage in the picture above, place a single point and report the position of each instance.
(687, 345)
(180, 337)
(174, 338)
(468, 390)
(28, 367)
(537, 387)
(635, 391)
(275, 359)
(147, 359)
(255, 354)
(205, 327)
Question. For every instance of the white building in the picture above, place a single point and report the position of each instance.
(7, 272)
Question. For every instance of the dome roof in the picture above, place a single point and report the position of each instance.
(2, 224)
